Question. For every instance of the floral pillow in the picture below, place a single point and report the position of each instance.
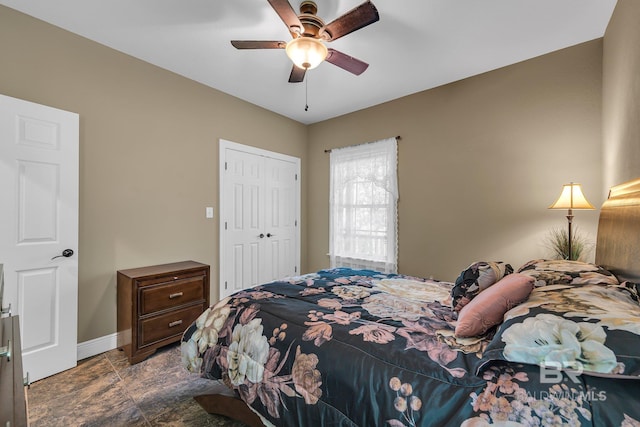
(476, 278)
(565, 272)
(523, 343)
(593, 328)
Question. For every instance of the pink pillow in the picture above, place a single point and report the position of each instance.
(488, 308)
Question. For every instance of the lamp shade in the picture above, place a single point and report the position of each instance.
(306, 52)
(571, 198)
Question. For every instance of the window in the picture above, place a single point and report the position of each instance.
(363, 206)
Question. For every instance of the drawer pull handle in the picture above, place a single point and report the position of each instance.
(176, 323)
(176, 295)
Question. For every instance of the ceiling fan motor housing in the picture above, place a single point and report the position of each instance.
(310, 21)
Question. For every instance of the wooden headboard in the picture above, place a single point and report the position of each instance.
(618, 242)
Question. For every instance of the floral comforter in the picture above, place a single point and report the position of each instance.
(358, 348)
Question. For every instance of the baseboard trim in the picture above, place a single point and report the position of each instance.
(96, 346)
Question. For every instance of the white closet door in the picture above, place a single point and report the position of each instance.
(280, 220)
(259, 205)
(242, 258)
(38, 223)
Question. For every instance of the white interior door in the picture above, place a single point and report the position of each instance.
(241, 255)
(38, 222)
(259, 205)
(280, 219)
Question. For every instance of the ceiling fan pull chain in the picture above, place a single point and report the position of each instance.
(306, 94)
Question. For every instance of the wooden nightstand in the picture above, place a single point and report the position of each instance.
(157, 303)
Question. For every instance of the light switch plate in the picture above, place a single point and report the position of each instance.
(209, 212)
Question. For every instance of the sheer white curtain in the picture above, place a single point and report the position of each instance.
(363, 206)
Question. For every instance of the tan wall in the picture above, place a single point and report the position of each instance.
(621, 95)
(148, 153)
(480, 160)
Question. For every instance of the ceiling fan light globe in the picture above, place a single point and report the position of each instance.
(306, 52)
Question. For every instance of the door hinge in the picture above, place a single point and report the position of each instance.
(295, 223)
(225, 285)
(295, 269)
(225, 225)
(296, 177)
(225, 165)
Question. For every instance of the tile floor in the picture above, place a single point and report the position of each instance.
(106, 390)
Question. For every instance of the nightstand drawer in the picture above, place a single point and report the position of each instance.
(157, 328)
(167, 295)
(174, 276)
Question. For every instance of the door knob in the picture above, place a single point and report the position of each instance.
(66, 253)
(261, 235)
(270, 235)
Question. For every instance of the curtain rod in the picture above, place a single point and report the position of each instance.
(329, 150)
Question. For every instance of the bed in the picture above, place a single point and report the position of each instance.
(545, 343)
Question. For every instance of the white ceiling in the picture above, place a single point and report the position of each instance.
(416, 45)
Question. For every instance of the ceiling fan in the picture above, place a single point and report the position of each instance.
(307, 49)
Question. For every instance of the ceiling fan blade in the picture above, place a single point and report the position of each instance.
(297, 74)
(258, 44)
(356, 18)
(346, 62)
(288, 15)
